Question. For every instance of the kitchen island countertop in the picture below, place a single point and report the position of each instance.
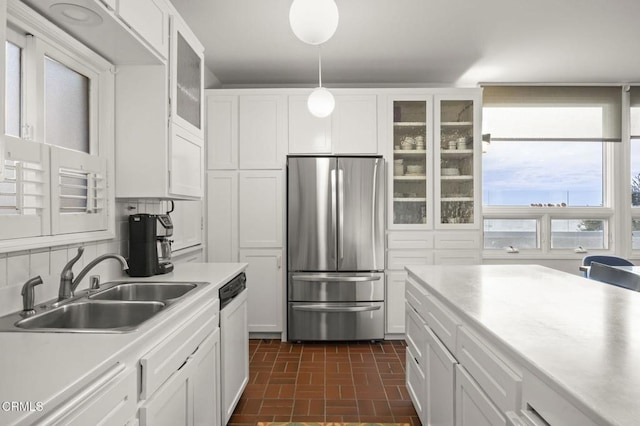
(580, 336)
(47, 367)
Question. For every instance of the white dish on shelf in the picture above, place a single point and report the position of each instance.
(415, 169)
(450, 171)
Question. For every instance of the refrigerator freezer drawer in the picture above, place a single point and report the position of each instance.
(320, 287)
(336, 321)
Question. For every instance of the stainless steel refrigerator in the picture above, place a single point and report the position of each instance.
(335, 260)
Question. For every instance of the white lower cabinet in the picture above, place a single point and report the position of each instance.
(180, 376)
(440, 371)
(394, 298)
(415, 383)
(473, 406)
(110, 399)
(265, 278)
(189, 396)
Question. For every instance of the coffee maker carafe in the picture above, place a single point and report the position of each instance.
(164, 229)
(149, 244)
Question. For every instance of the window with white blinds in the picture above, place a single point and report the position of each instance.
(54, 174)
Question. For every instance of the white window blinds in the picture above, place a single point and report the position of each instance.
(552, 113)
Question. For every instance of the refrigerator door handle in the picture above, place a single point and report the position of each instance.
(325, 308)
(316, 278)
(374, 211)
(334, 202)
(340, 216)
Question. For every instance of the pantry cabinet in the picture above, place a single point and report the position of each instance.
(265, 278)
(261, 204)
(222, 216)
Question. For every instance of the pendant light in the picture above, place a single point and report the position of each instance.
(313, 21)
(320, 102)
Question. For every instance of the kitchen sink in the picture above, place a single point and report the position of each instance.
(93, 316)
(144, 291)
(116, 307)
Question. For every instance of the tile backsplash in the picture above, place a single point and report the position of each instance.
(17, 267)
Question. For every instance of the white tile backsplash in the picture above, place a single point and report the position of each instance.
(16, 268)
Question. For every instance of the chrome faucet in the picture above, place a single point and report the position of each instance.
(68, 284)
(28, 295)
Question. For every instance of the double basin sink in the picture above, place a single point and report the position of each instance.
(115, 307)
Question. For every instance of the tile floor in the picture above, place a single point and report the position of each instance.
(317, 382)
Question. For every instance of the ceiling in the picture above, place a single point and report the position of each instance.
(423, 42)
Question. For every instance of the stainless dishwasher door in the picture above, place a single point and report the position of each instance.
(336, 321)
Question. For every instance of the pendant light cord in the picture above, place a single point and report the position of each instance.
(319, 67)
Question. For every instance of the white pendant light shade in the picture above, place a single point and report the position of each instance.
(321, 102)
(313, 21)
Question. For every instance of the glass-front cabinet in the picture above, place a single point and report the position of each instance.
(457, 139)
(412, 159)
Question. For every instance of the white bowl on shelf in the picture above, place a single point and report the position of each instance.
(415, 169)
(450, 171)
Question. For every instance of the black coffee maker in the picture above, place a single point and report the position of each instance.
(149, 244)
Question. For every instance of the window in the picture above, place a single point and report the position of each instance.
(546, 163)
(54, 175)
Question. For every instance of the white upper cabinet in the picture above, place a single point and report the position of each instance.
(186, 63)
(222, 132)
(354, 127)
(262, 137)
(159, 126)
(148, 18)
(351, 129)
(307, 134)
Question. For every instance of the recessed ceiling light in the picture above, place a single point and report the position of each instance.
(77, 15)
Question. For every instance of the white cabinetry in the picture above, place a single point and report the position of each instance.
(222, 216)
(148, 18)
(394, 298)
(222, 132)
(351, 129)
(307, 134)
(110, 399)
(187, 224)
(190, 395)
(262, 127)
(261, 208)
(473, 407)
(159, 136)
(176, 375)
(440, 369)
(265, 276)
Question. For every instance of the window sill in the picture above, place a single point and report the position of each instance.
(21, 244)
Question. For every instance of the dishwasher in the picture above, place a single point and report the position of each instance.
(234, 343)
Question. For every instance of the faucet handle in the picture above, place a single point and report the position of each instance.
(28, 294)
(67, 270)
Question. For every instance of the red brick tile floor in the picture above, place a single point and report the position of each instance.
(325, 382)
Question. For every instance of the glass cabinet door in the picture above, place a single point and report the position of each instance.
(456, 120)
(410, 165)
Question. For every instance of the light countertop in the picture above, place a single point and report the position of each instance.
(582, 336)
(44, 367)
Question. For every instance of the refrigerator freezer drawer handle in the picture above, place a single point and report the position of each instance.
(315, 278)
(322, 308)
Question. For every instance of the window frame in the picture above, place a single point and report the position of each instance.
(44, 38)
(612, 155)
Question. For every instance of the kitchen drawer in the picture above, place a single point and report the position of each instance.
(416, 334)
(163, 360)
(457, 240)
(410, 240)
(416, 296)
(549, 407)
(110, 399)
(398, 259)
(457, 257)
(497, 379)
(415, 383)
(442, 322)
